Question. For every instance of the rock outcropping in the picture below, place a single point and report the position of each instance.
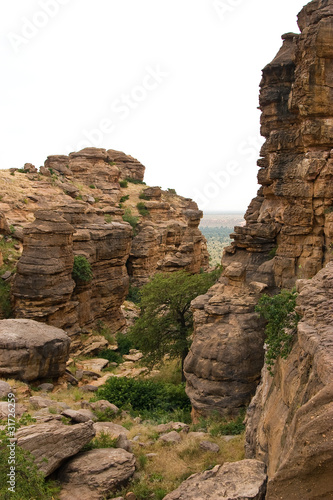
(289, 421)
(80, 205)
(289, 225)
(30, 350)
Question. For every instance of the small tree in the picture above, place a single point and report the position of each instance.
(81, 269)
(166, 322)
(282, 319)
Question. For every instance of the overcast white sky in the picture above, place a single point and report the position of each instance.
(173, 83)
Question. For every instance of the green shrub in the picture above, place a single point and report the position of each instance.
(134, 294)
(143, 196)
(81, 269)
(104, 440)
(92, 186)
(131, 219)
(272, 253)
(282, 319)
(142, 209)
(134, 181)
(124, 198)
(123, 184)
(145, 396)
(110, 355)
(124, 343)
(229, 428)
(171, 191)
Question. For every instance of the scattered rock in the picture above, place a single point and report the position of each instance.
(123, 442)
(176, 426)
(30, 350)
(133, 357)
(79, 416)
(46, 387)
(170, 437)
(208, 446)
(4, 389)
(6, 410)
(96, 472)
(103, 405)
(40, 403)
(113, 430)
(51, 443)
(244, 480)
(94, 365)
(6, 275)
(89, 388)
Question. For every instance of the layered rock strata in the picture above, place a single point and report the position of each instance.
(288, 232)
(289, 421)
(77, 207)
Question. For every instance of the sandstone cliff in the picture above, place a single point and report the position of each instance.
(79, 205)
(289, 421)
(289, 225)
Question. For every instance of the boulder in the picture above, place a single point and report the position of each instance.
(53, 442)
(103, 405)
(6, 409)
(4, 389)
(244, 480)
(113, 430)
(30, 350)
(96, 473)
(170, 437)
(208, 446)
(79, 416)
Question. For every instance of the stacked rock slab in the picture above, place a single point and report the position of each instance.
(289, 421)
(44, 289)
(289, 225)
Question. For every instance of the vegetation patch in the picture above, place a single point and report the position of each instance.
(81, 270)
(143, 210)
(131, 219)
(134, 294)
(134, 181)
(123, 184)
(282, 320)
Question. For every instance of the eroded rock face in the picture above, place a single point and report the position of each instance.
(51, 443)
(243, 480)
(30, 350)
(289, 225)
(96, 472)
(74, 205)
(289, 422)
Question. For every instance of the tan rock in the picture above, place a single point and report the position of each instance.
(51, 443)
(243, 480)
(113, 430)
(30, 350)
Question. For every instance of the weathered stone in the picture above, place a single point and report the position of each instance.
(124, 443)
(95, 365)
(6, 409)
(245, 480)
(103, 405)
(170, 437)
(97, 472)
(4, 389)
(79, 416)
(208, 446)
(4, 226)
(30, 350)
(39, 402)
(51, 443)
(289, 422)
(46, 387)
(113, 430)
(288, 232)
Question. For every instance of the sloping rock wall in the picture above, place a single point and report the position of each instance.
(288, 232)
(289, 421)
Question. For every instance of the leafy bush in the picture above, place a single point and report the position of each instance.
(81, 269)
(124, 343)
(124, 198)
(110, 355)
(123, 184)
(104, 440)
(143, 196)
(131, 219)
(231, 428)
(142, 209)
(141, 395)
(134, 294)
(92, 186)
(282, 320)
(134, 181)
(171, 191)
